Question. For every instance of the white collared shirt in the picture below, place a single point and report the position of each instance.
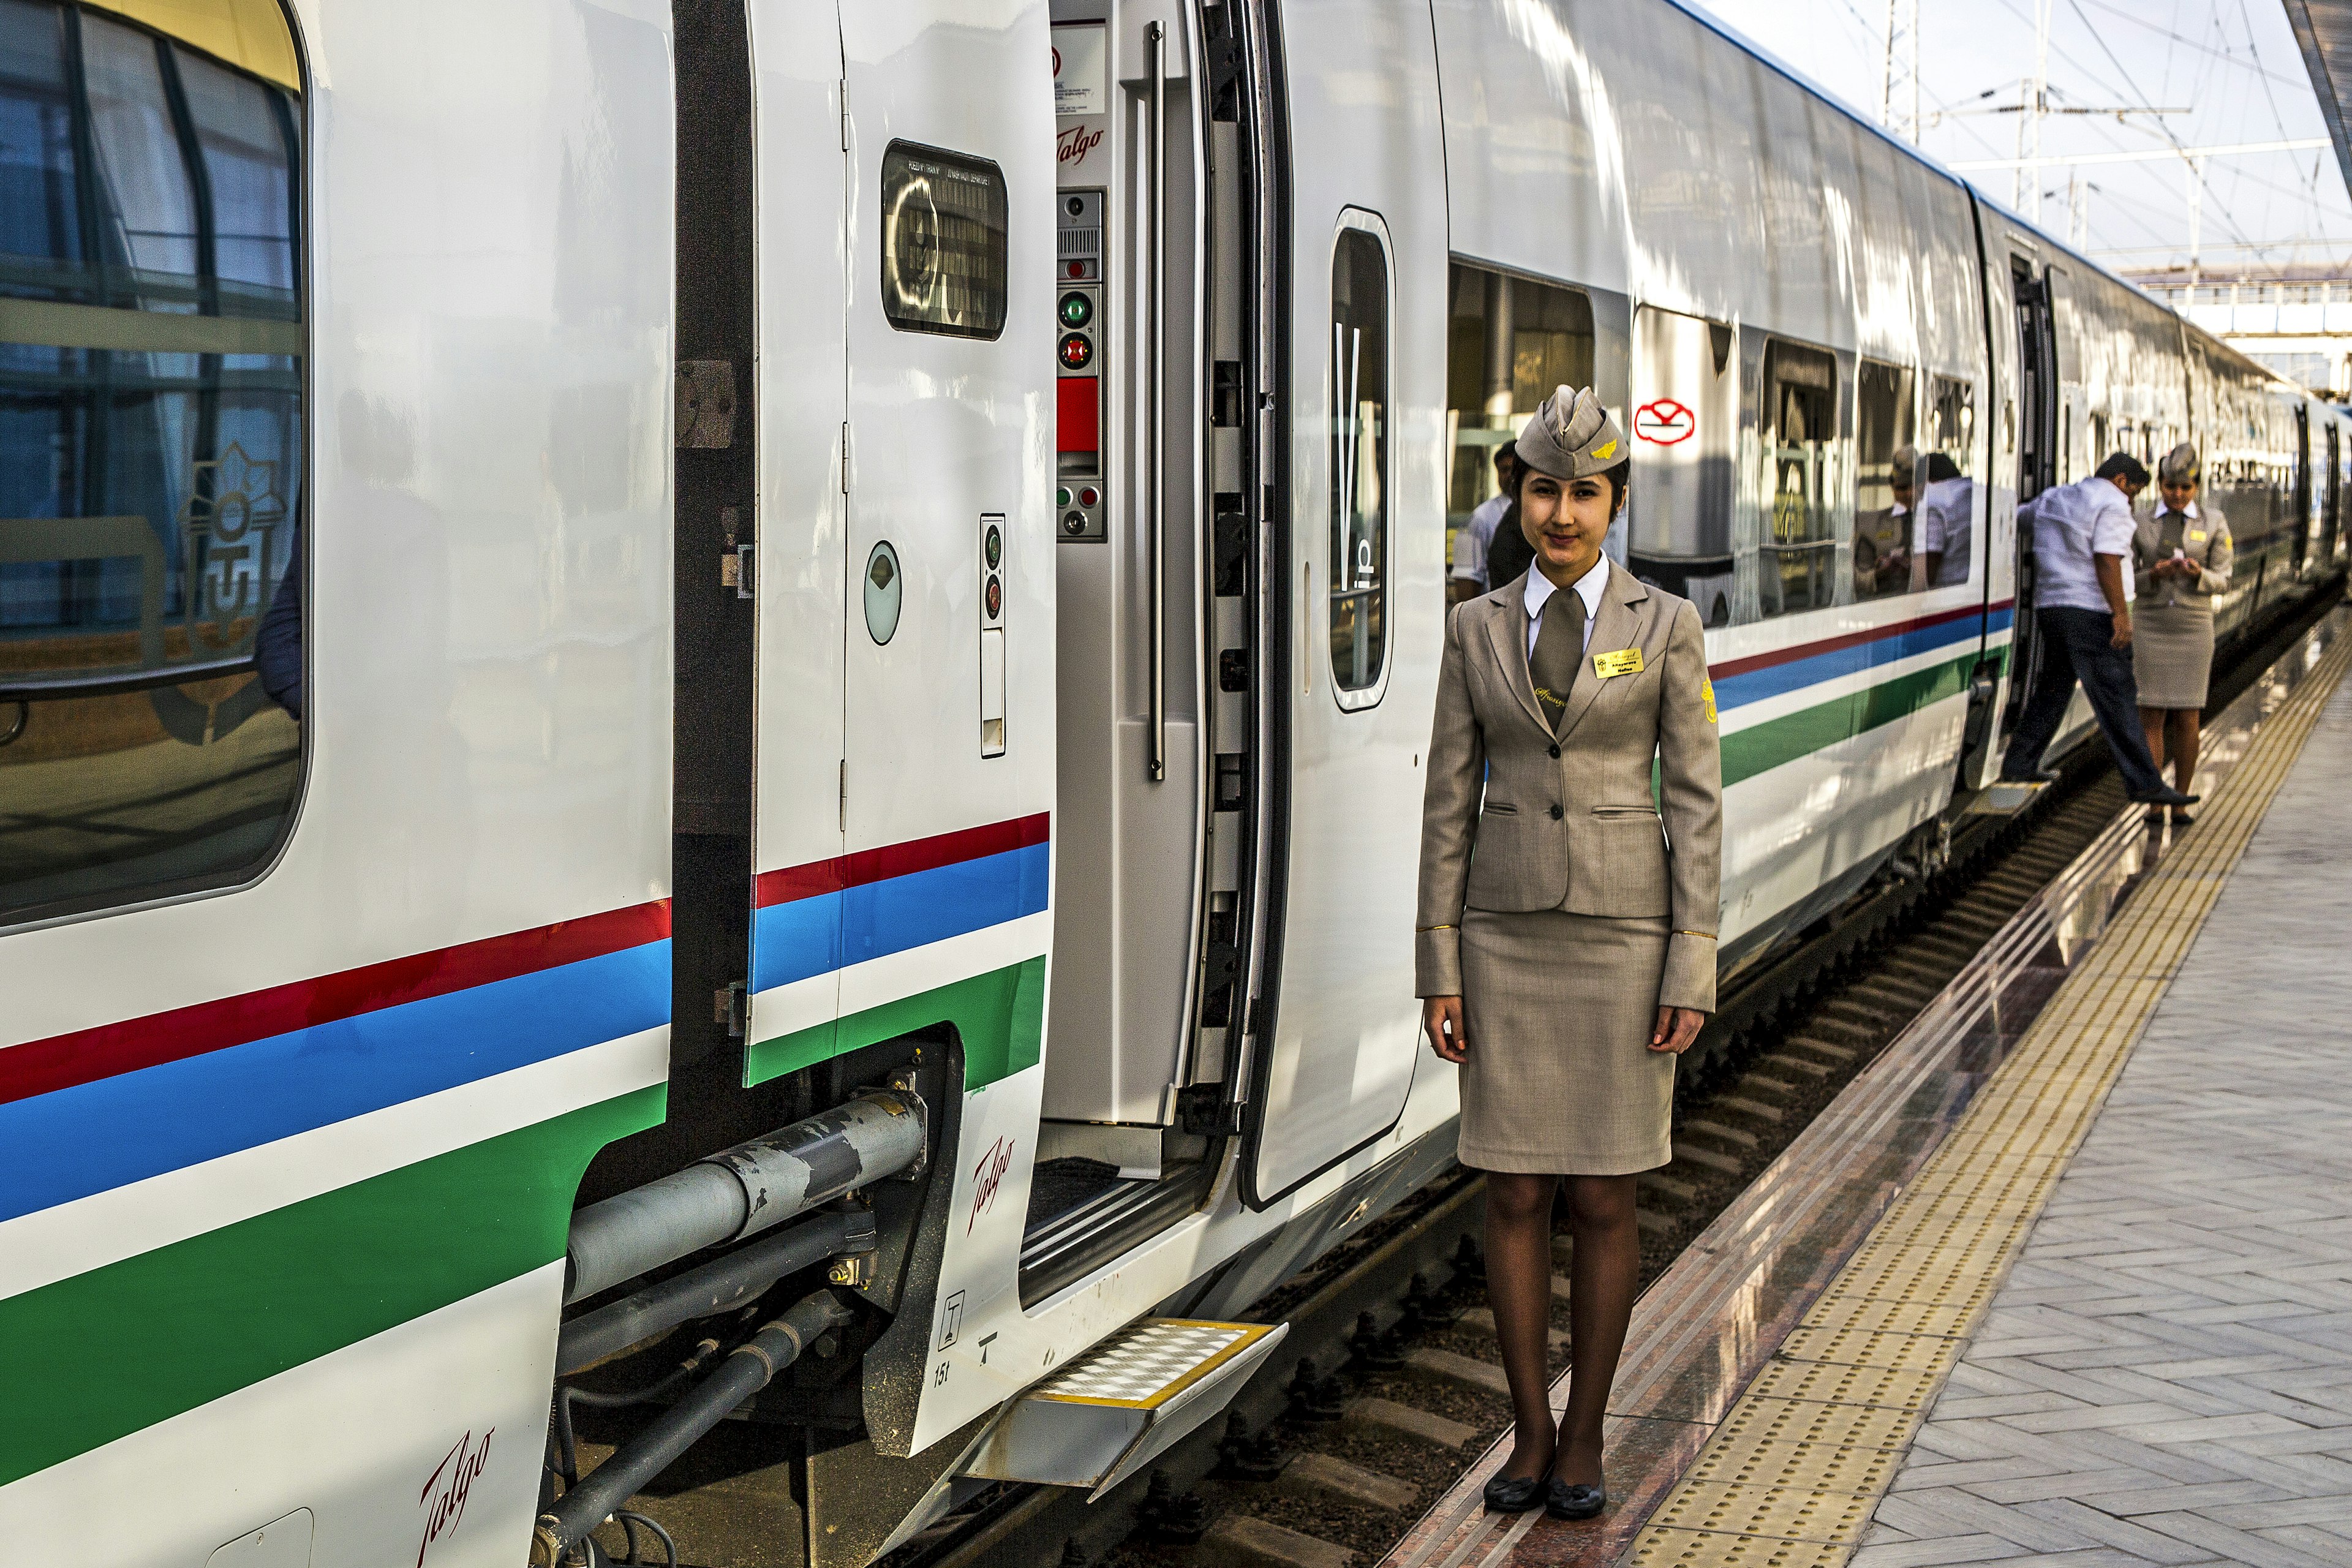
(2072, 525)
(1589, 587)
(1471, 540)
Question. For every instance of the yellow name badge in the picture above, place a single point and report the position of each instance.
(1624, 662)
(1707, 695)
(2196, 536)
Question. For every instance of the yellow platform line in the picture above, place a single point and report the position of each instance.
(1794, 1473)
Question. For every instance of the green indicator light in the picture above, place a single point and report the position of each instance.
(1061, 496)
(1076, 310)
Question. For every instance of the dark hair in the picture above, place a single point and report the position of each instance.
(1507, 453)
(1618, 477)
(1941, 466)
(2124, 466)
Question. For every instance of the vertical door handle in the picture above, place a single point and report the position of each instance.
(1155, 388)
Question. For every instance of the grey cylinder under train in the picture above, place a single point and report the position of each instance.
(741, 1191)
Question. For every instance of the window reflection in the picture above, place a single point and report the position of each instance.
(1360, 447)
(1801, 534)
(151, 480)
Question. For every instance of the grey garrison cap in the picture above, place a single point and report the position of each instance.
(2180, 465)
(1572, 436)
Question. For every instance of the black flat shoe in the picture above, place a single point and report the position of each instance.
(2181, 819)
(1507, 1494)
(2155, 817)
(1565, 1502)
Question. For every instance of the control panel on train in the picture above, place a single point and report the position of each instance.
(1080, 482)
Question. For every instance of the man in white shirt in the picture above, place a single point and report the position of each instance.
(1946, 512)
(1472, 539)
(2082, 630)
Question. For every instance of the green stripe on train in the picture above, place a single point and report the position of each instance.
(1000, 1018)
(222, 1310)
(1766, 746)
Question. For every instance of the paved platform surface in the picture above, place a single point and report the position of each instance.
(2165, 1376)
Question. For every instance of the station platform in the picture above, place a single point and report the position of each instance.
(2065, 1275)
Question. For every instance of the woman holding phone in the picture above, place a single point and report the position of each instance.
(1566, 920)
(2182, 554)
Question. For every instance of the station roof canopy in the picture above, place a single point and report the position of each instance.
(2324, 29)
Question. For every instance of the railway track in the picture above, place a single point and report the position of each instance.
(1390, 1383)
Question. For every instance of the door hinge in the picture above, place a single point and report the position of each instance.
(845, 794)
(730, 1006)
(844, 456)
(844, 114)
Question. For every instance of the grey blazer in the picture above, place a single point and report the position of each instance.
(2205, 539)
(1514, 820)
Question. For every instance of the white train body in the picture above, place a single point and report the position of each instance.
(677, 754)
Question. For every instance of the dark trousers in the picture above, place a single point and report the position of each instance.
(2072, 645)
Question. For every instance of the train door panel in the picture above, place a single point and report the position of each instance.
(2032, 342)
(1130, 502)
(1998, 438)
(1367, 401)
(789, 558)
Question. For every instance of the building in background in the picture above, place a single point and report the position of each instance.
(2294, 317)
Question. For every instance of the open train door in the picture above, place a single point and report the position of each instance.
(1366, 409)
(1997, 436)
(2030, 426)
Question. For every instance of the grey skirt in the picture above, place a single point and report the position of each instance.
(1561, 1080)
(2172, 655)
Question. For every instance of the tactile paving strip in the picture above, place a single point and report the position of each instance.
(1793, 1474)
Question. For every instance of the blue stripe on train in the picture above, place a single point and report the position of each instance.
(1754, 685)
(826, 931)
(91, 1138)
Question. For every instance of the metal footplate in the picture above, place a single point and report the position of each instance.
(2007, 797)
(1112, 1411)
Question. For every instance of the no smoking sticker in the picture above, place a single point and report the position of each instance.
(1664, 422)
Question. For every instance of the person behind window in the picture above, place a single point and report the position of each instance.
(2083, 627)
(278, 645)
(2183, 555)
(1882, 555)
(1510, 556)
(1946, 512)
(1472, 537)
(1565, 941)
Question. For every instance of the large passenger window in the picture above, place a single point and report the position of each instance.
(1947, 485)
(1360, 459)
(1509, 342)
(1798, 570)
(150, 451)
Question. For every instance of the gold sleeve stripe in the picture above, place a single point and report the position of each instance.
(1707, 935)
(1418, 930)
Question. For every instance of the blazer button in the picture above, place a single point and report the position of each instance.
(1555, 751)
(1557, 813)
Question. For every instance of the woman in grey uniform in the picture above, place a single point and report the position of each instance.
(1566, 941)
(2183, 553)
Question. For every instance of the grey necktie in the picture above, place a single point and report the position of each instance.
(1560, 649)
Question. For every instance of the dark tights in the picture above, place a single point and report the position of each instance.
(1605, 1268)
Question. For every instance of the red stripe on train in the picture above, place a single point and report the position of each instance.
(85, 1056)
(1732, 667)
(781, 887)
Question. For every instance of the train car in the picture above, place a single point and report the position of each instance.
(683, 726)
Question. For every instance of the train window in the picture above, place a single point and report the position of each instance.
(1509, 341)
(943, 242)
(1886, 482)
(1798, 570)
(1360, 459)
(1947, 486)
(150, 453)
(1686, 406)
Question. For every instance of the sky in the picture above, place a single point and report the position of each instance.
(2231, 65)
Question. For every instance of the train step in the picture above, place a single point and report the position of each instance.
(1113, 1410)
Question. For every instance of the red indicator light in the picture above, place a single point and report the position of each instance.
(1077, 351)
(1088, 495)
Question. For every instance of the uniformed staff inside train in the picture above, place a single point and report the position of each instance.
(1566, 945)
(1470, 540)
(2083, 627)
(2183, 556)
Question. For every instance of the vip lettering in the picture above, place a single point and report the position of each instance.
(446, 1489)
(986, 1177)
(1072, 145)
